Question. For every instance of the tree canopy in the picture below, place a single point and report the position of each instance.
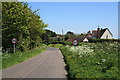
(69, 33)
(20, 22)
(46, 36)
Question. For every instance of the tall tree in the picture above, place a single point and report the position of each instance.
(20, 22)
(46, 36)
(69, 34)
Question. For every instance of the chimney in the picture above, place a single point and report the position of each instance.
(98, 32)
(98, 28)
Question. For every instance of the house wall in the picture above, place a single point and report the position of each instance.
(106, 35)
(85, 40)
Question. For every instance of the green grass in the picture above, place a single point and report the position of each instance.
(51, 45)
(10, 59)
(0, 60)
(58, 45)
(55, 45)
(92, 60)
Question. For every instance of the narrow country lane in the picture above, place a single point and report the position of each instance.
(49, 64)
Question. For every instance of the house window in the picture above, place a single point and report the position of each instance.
(107, 37)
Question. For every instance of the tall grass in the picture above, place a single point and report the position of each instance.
(10, 59)
(92, 60)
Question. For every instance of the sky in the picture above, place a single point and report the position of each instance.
(78, 17)
(70, 0)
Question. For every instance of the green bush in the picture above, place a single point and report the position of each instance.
(67, 42)
(104, 40)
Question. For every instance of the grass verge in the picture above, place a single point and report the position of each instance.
(10, 59)
(92, 61)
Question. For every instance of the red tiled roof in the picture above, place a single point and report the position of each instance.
(99, 33)
(70, 39)
(94, 33)
(80, 39)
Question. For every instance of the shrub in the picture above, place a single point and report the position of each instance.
(104, 40)
(67, 42)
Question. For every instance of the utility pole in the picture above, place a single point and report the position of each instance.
(62, 35)
(14, 47)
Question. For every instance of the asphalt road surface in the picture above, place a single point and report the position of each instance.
(49, 64)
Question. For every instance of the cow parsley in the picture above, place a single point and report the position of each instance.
(81, 50)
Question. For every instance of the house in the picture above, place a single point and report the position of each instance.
(100, 34)
(79, 39)
(96, 34)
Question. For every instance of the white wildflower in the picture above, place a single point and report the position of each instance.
(81, 50)
(103, 60)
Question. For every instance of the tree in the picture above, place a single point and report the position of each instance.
(46, 36)
(69, 33)
(51, 33)
(20, 22)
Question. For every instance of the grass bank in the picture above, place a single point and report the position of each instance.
(96, 61)
(10, 59)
